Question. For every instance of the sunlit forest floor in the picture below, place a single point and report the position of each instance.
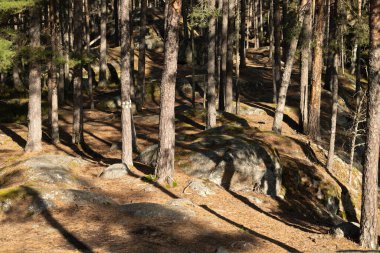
(237, 221)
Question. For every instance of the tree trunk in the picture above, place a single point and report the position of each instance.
(211, 92)
(316, 86)
(276, 62)
(52, 83)
(278, 117)
(16, 76)
(334, 113)
(242, 50)
(165, 160)
(140, 92)
(230, 56)
(34, 106)
(77, 137)
(285, 30)
(305, 59)
(103, 45)
(90, 77)
(224, 41)
(368, 221)
(125, 79)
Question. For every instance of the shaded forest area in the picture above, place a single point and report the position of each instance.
(189, 126)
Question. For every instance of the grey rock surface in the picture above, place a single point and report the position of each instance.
(114, 171)
(154, 210)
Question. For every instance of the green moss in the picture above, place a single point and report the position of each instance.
(12, 193)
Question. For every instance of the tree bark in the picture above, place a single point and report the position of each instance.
(316, 86)
(77, 137)
(140, 92)
(224, 41)
(52, 83)
(230, 56)
(34, 107)
(103, 45)
(334, 113)
(90, 77)
(278, 117)
(276, 68)
(305, 61)
(369, 210)
(211, 81)
(125, 79)
(165, 161)
(243, 27)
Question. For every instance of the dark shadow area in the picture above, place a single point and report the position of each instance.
(114, 78)
(348, 205)
(13, 135)
(271, 112)
(242, 227)
(69, 237)
(258, 209)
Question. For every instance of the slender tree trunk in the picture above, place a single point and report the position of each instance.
(285, 30)
(211, 91)
(334, 82)
(276, 68)
(368, 221)
(357, 120)
(52, 83)
(65, 47)
(305, 59)
(140, 93)
(90, 77)
(242, 49)
(103, 45)
(17, 83)
(16, 76)
(358, 56)
(34, 107)
(165, 159)
(287, 73)
(77, 137)
(125, 78)
(230, 56)
(224, 41)
(334, 113)
(315, 102)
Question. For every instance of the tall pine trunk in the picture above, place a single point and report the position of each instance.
(224, 42)
(125, 79)
(140, 92)
(103, 44)
(334, 82)
(276, 62)
(77, 137)
(316, 84)
(305, 60)
(53, 84)
(369, 210)
(90, 77)
(165, 159)
(242, 49)
(34, 107)
(278, 117)
(211, 91)
(230, 56)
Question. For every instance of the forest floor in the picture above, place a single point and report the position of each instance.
(225, 219)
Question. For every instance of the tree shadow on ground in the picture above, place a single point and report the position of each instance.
(69, 237)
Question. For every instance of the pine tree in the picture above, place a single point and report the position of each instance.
(165, 159)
